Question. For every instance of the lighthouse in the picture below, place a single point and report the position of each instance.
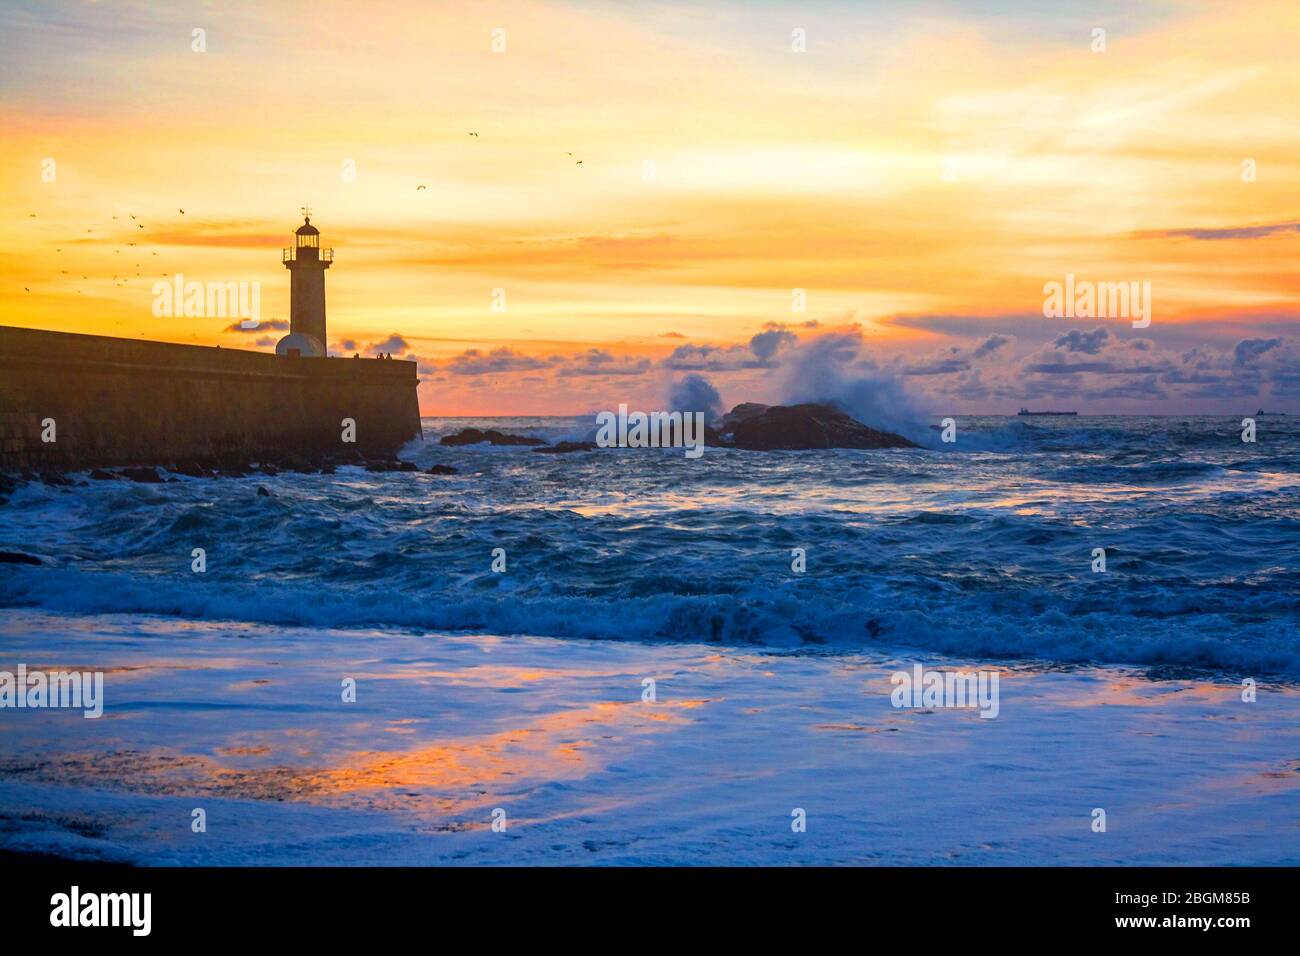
(306, 262)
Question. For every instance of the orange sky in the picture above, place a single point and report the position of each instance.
(921, 171)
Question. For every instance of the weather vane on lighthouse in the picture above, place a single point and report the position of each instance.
(306, 262)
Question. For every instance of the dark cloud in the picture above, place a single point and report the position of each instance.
(761, 353)
(1229, 232)
(267, 325)
(1089, 343)
(504, 359)
(1248, 350)
(1145, 387)
(1098, 367)
(765, 345)
(393, 345)
(944, 366)
(991, 345)
(600, 362)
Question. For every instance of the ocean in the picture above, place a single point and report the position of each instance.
(982, 548)
(524, 688)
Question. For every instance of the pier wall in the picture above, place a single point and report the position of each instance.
(126, 402)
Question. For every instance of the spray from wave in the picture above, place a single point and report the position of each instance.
(833, 369)
(694, 393)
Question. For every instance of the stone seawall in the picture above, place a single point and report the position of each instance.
(127, 402)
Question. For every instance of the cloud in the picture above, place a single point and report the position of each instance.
(393, 345)
(991, 345)
(595, 362)
(760, 353)
(765, 345)
(274, 325)
(1087, 342)
(601, 362)
(1248, 350)
(1227, 232)
(943, 366)
(1100, 367)
(504, 359)
(1139, 388)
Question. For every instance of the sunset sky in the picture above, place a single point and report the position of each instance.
(921, 171)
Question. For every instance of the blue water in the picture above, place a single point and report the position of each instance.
(983, 549)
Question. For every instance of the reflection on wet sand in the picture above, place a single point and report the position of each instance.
(445, 776)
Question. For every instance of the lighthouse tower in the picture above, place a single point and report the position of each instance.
(306, 262)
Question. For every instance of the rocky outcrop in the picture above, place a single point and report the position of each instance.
(741, 413)
(391, 464)
(564, 447)
(145, 475)
(757, 427)
(17, 557)
(475, 436)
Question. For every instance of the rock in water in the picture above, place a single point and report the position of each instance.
(563, 447)
(475, 436)
(795, 427)
(17, 557)
(741, 413)
(147, 475)
(442, 470)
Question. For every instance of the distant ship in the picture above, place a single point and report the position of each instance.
(1262, 412)
(1025, 411)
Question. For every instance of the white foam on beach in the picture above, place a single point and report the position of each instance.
(246, 722)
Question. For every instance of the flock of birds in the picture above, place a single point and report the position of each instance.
(117, 280)
(138, 275)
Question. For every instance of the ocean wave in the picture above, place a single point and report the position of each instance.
(972, 552)
(1249, 627)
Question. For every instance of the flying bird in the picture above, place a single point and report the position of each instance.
(475, 135)
(418, 188)
(182, 212)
